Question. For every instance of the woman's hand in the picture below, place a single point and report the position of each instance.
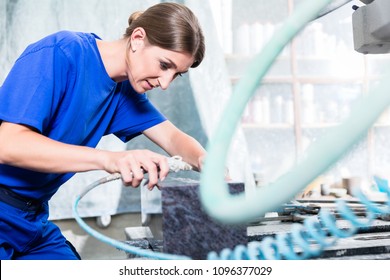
(201, 160)
(133, 164)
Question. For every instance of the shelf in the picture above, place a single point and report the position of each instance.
(298, 57)
(267, 80)
(250, 57)
(307, 69)
(322, 56)
(267, 126)
(319, 125)
(303, 126)
(307, 80)
(381, 125)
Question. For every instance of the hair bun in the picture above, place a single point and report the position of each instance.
(134, 16)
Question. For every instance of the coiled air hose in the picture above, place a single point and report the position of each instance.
(311, 238)
(220, 205)
(175, 164)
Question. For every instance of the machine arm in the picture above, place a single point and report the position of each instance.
(371, 27)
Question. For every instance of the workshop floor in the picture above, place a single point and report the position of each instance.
(92, 249)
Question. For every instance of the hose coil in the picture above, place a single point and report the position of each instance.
(310, 239)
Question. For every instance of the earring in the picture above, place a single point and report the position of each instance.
(131, 47)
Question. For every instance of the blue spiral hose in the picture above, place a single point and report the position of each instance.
(311, 238)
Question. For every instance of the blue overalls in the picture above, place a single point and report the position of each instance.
(60, 88)
(26, 233)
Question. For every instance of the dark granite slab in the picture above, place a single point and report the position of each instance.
(187, 229)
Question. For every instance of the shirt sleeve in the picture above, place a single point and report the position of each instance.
(135, 113)
(33, 87)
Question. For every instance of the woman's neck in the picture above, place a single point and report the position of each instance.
(113, 54)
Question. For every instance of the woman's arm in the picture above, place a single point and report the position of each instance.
(23, 147)
(176, 142)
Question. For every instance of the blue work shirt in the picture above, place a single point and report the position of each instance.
(59, 87)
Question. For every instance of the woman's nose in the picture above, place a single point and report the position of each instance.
(165, 80)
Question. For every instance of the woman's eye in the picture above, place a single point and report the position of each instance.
(178, 74)
(164, 66)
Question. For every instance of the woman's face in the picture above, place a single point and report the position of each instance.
(150, 66)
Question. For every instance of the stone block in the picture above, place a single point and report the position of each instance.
(188, 229)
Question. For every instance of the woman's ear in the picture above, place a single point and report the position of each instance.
(138, 38)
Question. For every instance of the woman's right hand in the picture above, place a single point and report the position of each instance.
(134, 163)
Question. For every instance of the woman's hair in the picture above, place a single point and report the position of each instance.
(170, 26)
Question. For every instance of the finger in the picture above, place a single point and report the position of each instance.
(131, 173)
(146, 181)
(127, 166)
(152, 170)
(138, 176)
(201, 162)
(127, 176)
(162, 163)
(227, 175)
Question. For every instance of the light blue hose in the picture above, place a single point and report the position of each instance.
(214, 195)
(112, 242)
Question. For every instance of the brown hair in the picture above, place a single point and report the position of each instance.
(170, 26)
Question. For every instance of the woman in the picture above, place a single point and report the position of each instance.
(68, 90)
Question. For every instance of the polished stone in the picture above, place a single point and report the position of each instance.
(188, 229)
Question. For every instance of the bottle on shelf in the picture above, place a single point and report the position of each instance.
(241, 41)
(309, 113)
(289, 112)
(277, 110)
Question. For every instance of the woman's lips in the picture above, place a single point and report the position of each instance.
(149, 85)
